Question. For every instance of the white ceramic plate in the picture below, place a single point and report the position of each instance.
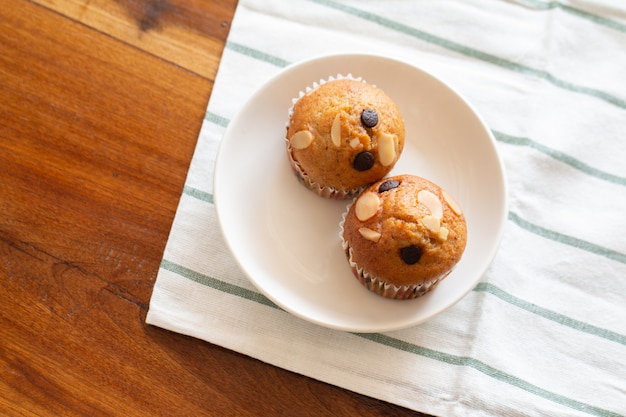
(286, 238)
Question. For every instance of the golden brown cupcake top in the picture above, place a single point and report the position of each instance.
(405, 230)
(345, 134)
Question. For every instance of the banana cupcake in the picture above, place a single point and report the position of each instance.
(342, 135)
(402, 236)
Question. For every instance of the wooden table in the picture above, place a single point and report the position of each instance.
(101, 102)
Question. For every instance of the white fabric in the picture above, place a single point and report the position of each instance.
(544, 332)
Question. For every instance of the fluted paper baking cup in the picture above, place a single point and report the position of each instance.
(379, 285)
(319, 189)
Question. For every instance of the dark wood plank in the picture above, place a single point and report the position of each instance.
(96, 134)
(97, 138)
(190, 33)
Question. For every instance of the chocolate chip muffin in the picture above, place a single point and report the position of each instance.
(402, 236)
(342, 135)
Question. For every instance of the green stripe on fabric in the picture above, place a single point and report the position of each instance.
(471, 52)
(567, 240)
(481, 287)
(486, 370)
(559, 156)
(216, 284)
(198, 194)
(613, 24)
(500, 136)
(549, 314)
(216, 119)
(511, 140)
(543, 232)
(395, 343)
(256, 54)
(533, 228)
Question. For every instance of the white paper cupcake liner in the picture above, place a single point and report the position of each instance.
(323, 191)
(319, 189)
(378, 285)
(315, 85)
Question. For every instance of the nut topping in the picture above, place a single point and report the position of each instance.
(301, 139)
(366, 206)
(452, 203)
(386, 149)
(431, 201)
(369, 234)
(432, 223)
(335, 131)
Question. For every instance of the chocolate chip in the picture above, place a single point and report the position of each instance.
(363, 161)
(388, 185)
(369, 118)
(411, 254)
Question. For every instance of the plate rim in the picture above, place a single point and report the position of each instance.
(504, 202)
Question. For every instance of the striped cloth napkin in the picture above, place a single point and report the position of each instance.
(544, 331)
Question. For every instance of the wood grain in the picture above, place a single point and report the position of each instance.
(189, 33)
(101, 103)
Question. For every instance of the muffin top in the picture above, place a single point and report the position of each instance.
(405, 230)
(345, 134)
